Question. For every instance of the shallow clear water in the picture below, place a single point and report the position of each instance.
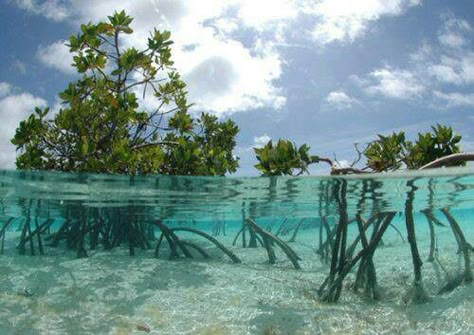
(66, 241)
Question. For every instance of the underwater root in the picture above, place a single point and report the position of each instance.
(29, 235)
(326, 246)
(417, 294)
(464, 247)
(268, 239)
(175, 242)
(3, 231)
(219, 245)
(330, 290)
(295, 231)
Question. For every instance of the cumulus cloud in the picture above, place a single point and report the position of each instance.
(13, 109)
(342, 20)
(393, 83)
(456, 99)
(56, 10)
(260, 141)
(224, 74)
(258, 14)
(453, 32)
(342, 164)
(5, 89)
(57, 55)
(456, 69)
(340, 100)
(447, 60)
(228, 78)
(445, 73)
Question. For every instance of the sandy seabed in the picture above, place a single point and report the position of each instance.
(112, 293)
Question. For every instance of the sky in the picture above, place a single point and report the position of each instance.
(329, 73)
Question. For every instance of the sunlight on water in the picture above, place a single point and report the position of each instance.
(106, 254)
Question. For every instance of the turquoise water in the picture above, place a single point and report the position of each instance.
(102, 254)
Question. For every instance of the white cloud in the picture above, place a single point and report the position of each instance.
(260, 141)
(457, 69)
(258, 14)
(56, 10)
(449, 60)
(223, 74)
(57, 55)
(340, 100)
(342, 20)
(393, 83)
(452, 40)
(5, 89)
(226, 77)
(13, 109)
(445, 74)
(453, 32)
(456, 99)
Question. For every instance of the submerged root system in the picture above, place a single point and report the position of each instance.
(347, 245)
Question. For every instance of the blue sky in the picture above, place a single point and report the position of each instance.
(329, 73)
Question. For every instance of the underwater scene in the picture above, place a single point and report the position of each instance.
(109, 254)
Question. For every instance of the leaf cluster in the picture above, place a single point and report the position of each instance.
(203, 146)
(284, 158)
(394, 151)
(101, 127)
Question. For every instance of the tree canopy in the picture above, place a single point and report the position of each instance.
(101, 126)
(391, 152)
(386, 153)
(284, 158)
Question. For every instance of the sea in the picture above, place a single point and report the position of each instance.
(113, 254)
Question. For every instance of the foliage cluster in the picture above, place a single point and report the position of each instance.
(283, 158)
(101, 127)
(386, 153)
(391, 152)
